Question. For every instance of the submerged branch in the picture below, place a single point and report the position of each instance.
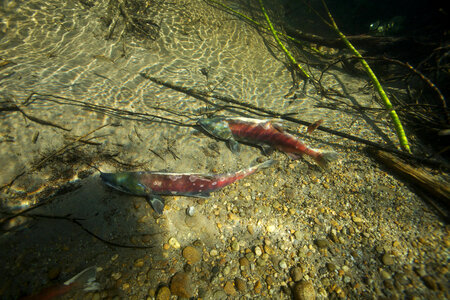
(304, 74)
(77, 222)
(387, 103)
(202, 95)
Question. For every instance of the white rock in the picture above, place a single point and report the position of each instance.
(174, 243)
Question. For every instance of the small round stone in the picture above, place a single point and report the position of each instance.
(430, 282)
(174, 243)
(304, 290)
(322, 243)
(190, 211)
(331, 267)
(387, 259)
(283, 264)
(192, 255)
(235, 246)
(296, 274)
(163, 293)
(116, 275)
(240, 284)
(258, 251)
(229, 288)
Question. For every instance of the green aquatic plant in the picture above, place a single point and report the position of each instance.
(387, 103)
(286, 51)
(288, 37)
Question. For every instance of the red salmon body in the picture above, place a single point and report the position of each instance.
(192, 184)
(266, 133)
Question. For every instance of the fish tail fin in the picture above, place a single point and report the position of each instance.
(85, 280)
(325, 157)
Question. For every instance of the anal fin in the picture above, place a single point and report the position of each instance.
(157, 203)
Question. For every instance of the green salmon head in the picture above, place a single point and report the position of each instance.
(217, 127)
(125, 182)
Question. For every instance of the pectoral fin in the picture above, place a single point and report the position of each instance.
(202, 195)
(198, 194)
(233, 145)
(266, 149)
(294, 156)
(156, 202)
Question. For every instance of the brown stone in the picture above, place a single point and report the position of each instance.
(296, 274)
(304, 290)
(192, 255)
(53, 273)
(243, 262)
(180, 285)
(258, 287)
(229, 288)
(163, 293)
(240, 284)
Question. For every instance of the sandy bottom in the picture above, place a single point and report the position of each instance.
(352, 231)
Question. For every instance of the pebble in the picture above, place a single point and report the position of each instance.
(258, 251)
(357, 220)
(190, 211)
(331, 267)
(250, 229)
(387, 259)
(322, 243)
(235, 246)
(220, 295)
(53, 273)
(244, 262)
(401, 278)
(385, 274)
(163, 293)
(430, 282)
(258, 286)
(282, 264)
(270, 228)
(174, 243)
(229, 288)
(296, 274)
(139, 263)
(116, 275)
(213, 252)
(180, 285)
(298, 235)
(192, 255)
(269, 250)
(250, 256)
(304, 290)
(240, 284)
(96, 296)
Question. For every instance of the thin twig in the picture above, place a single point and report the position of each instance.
(77, 222)
(45, 159)
(37, 120)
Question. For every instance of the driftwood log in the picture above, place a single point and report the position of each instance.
(434, 189)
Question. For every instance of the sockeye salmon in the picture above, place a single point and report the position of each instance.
(263, 133)
(154, 184)
(84, 280)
